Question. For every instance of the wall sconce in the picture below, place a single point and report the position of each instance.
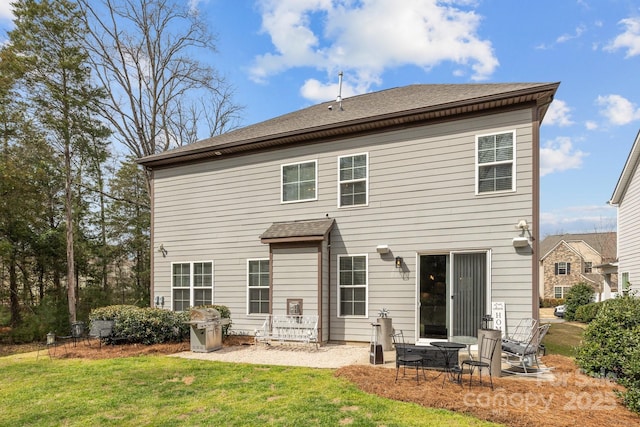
(163, 251)
(398, 262)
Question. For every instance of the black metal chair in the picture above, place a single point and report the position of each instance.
(405, 357)
(486, 350)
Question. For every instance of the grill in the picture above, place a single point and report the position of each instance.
(206, 329)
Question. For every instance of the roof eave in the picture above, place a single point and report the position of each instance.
(627, 173)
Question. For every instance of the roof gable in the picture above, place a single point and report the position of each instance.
(603, 243)
(371, 112)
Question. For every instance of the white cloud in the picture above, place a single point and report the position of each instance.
(591, 125)
(559, 155)
(578, 219)
(629, 39)
(366, 38)
(566, 37)
(617, 109)
(558, 114)
(6, 11)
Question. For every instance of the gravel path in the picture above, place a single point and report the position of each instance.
(331, 356)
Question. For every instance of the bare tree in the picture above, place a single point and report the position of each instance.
(160, 95)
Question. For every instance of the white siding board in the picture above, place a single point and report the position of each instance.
(422, 198)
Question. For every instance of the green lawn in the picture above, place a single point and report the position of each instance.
(563, 338)
(160, 390)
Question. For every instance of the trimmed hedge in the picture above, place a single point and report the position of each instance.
(551, 302)
(578, 295)
(586, 313)
(611, 346)
(149, 325)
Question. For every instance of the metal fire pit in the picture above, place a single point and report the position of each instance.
(206, 330)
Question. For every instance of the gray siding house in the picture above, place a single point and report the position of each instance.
(407, 199)
(626, 197)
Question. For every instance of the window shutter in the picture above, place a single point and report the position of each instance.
(556, 266)
(568, 268)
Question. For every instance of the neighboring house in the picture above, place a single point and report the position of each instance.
(406, 199)
(569, 259)
(626, 197)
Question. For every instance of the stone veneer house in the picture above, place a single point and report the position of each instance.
(626, 197)
(405, 199)
(569, 259)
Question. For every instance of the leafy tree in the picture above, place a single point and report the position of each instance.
(129, 229)
(144, 52)
(49, 38)
(577, 296)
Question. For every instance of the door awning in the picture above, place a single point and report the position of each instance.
(298, 231)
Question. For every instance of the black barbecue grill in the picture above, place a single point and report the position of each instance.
(206, 329)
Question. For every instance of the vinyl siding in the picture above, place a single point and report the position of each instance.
(628, 237)
(421, 200)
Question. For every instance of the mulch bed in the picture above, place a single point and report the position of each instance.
(572, 399)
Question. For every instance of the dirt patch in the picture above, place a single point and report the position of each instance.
(572, 399)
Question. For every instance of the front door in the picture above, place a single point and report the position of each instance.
(452, 292)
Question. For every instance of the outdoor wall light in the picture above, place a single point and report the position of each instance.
(398, 262)
(162, 250)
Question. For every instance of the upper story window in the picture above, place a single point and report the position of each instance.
(588, 267)
(495, 162)
(353, 180)
(352, 282)
(562, 268)
(258, 286)
(192, 284)
(299, 181)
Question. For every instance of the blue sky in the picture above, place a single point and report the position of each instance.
(283, 55)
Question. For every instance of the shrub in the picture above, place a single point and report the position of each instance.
(150, 325)
(551, 302)
(144, 325)
(611, 346)
(578, 295)
(586, 313)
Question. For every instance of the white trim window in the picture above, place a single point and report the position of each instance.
(560, 291)
(353, 180)
(192, 284)
(299, 181)
(495, 162)
(562, 268)
(258, 286)
(352, 285)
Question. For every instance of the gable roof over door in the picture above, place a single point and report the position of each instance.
(372, 112)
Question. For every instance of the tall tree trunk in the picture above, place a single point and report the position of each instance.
(71, 278)
(13, 289)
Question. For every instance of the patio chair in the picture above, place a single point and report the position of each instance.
(78, 333)
(405, 357)
(486, 350)
(523, 331)
(524, 356)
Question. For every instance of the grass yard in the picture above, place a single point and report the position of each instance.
(563, 338)
(160, 390)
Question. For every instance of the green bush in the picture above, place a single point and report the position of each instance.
(551, 302)
(150, 325)
(586, 313)
(144, 325)
(611, 346)
(578, 295)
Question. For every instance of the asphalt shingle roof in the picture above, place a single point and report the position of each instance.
(304, 229)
